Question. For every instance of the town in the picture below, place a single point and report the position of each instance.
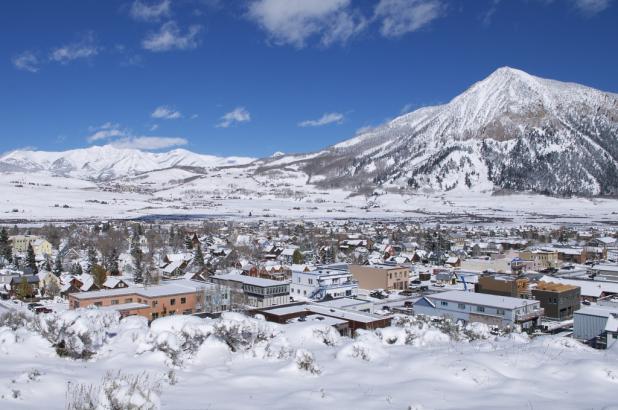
(352, 274)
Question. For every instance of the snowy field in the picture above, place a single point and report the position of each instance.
(233, 194)
(241, 363)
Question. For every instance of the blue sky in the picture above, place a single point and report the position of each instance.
(259, 76)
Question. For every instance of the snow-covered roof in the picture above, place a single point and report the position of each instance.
(250, 280)
(483, 299)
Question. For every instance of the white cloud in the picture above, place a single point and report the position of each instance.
(293, 22)
(404, 16)
(591, 7)
(166, 113)
(170, 37)
(154, 127)
(85, 48)
(26, 61)
(238, 115)
(106, 131)
(328, 118)
(114, 134)
(149, 143)
(150, 11)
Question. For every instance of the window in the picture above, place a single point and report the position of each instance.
(500, 312)
(155, 315)
(98, 304)
(154, 303)
(461, 306)
(480, 308)
(444, 303)
(114, 301)
(128, 300)
(310, 281)
(172, 302)
(183, 301)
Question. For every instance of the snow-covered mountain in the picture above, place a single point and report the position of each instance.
(510, 131)
(100, 163)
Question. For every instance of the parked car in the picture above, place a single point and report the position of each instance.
(34, 305)
(42, 309)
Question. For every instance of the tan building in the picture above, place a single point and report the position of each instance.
(182, 297)
(541, 259)
(40, 245)
(381, 276)
(503, 285)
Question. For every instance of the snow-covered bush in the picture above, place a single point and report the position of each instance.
(117, 391)
(240, 332)
(305, 361)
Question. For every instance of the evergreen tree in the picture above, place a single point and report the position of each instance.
(199, 256)
(112, 263)
(47, 265)
(5, 247)
(138, 260)
(76, 269)
(57, 270)
(31, 259)
(92, 259)
(188, 243)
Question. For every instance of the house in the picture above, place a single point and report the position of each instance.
(31, 280)
(493, 310)
(328, 280)
(114, 282)
(347, 321)
(558, 300)
(46, 279)
(40, 245)
(170, 298)
(261, 293)
(597, 325)
(453, 261)
(381, 276)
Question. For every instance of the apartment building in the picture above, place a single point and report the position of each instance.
(174, 298)
(381, 276)
(540, 259)
(493, 310)
(39, 244)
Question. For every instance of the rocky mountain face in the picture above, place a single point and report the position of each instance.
(511, 131)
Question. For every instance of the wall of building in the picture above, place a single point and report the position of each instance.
(369, 277)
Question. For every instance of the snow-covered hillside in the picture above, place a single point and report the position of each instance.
(510, 131)
(184, 362)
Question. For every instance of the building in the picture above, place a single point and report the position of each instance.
(260, 293)
(540, 259)
(558, 300)
(493, 310)
(597, 325)
(332, 280)
(170, 298)
(381, 276)
(607, 272)
(40, 245)
(591, 290)
(503, 285)
(345, 320)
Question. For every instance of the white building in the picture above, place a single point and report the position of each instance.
(481, 307)
(316, 283)
(260, 293)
